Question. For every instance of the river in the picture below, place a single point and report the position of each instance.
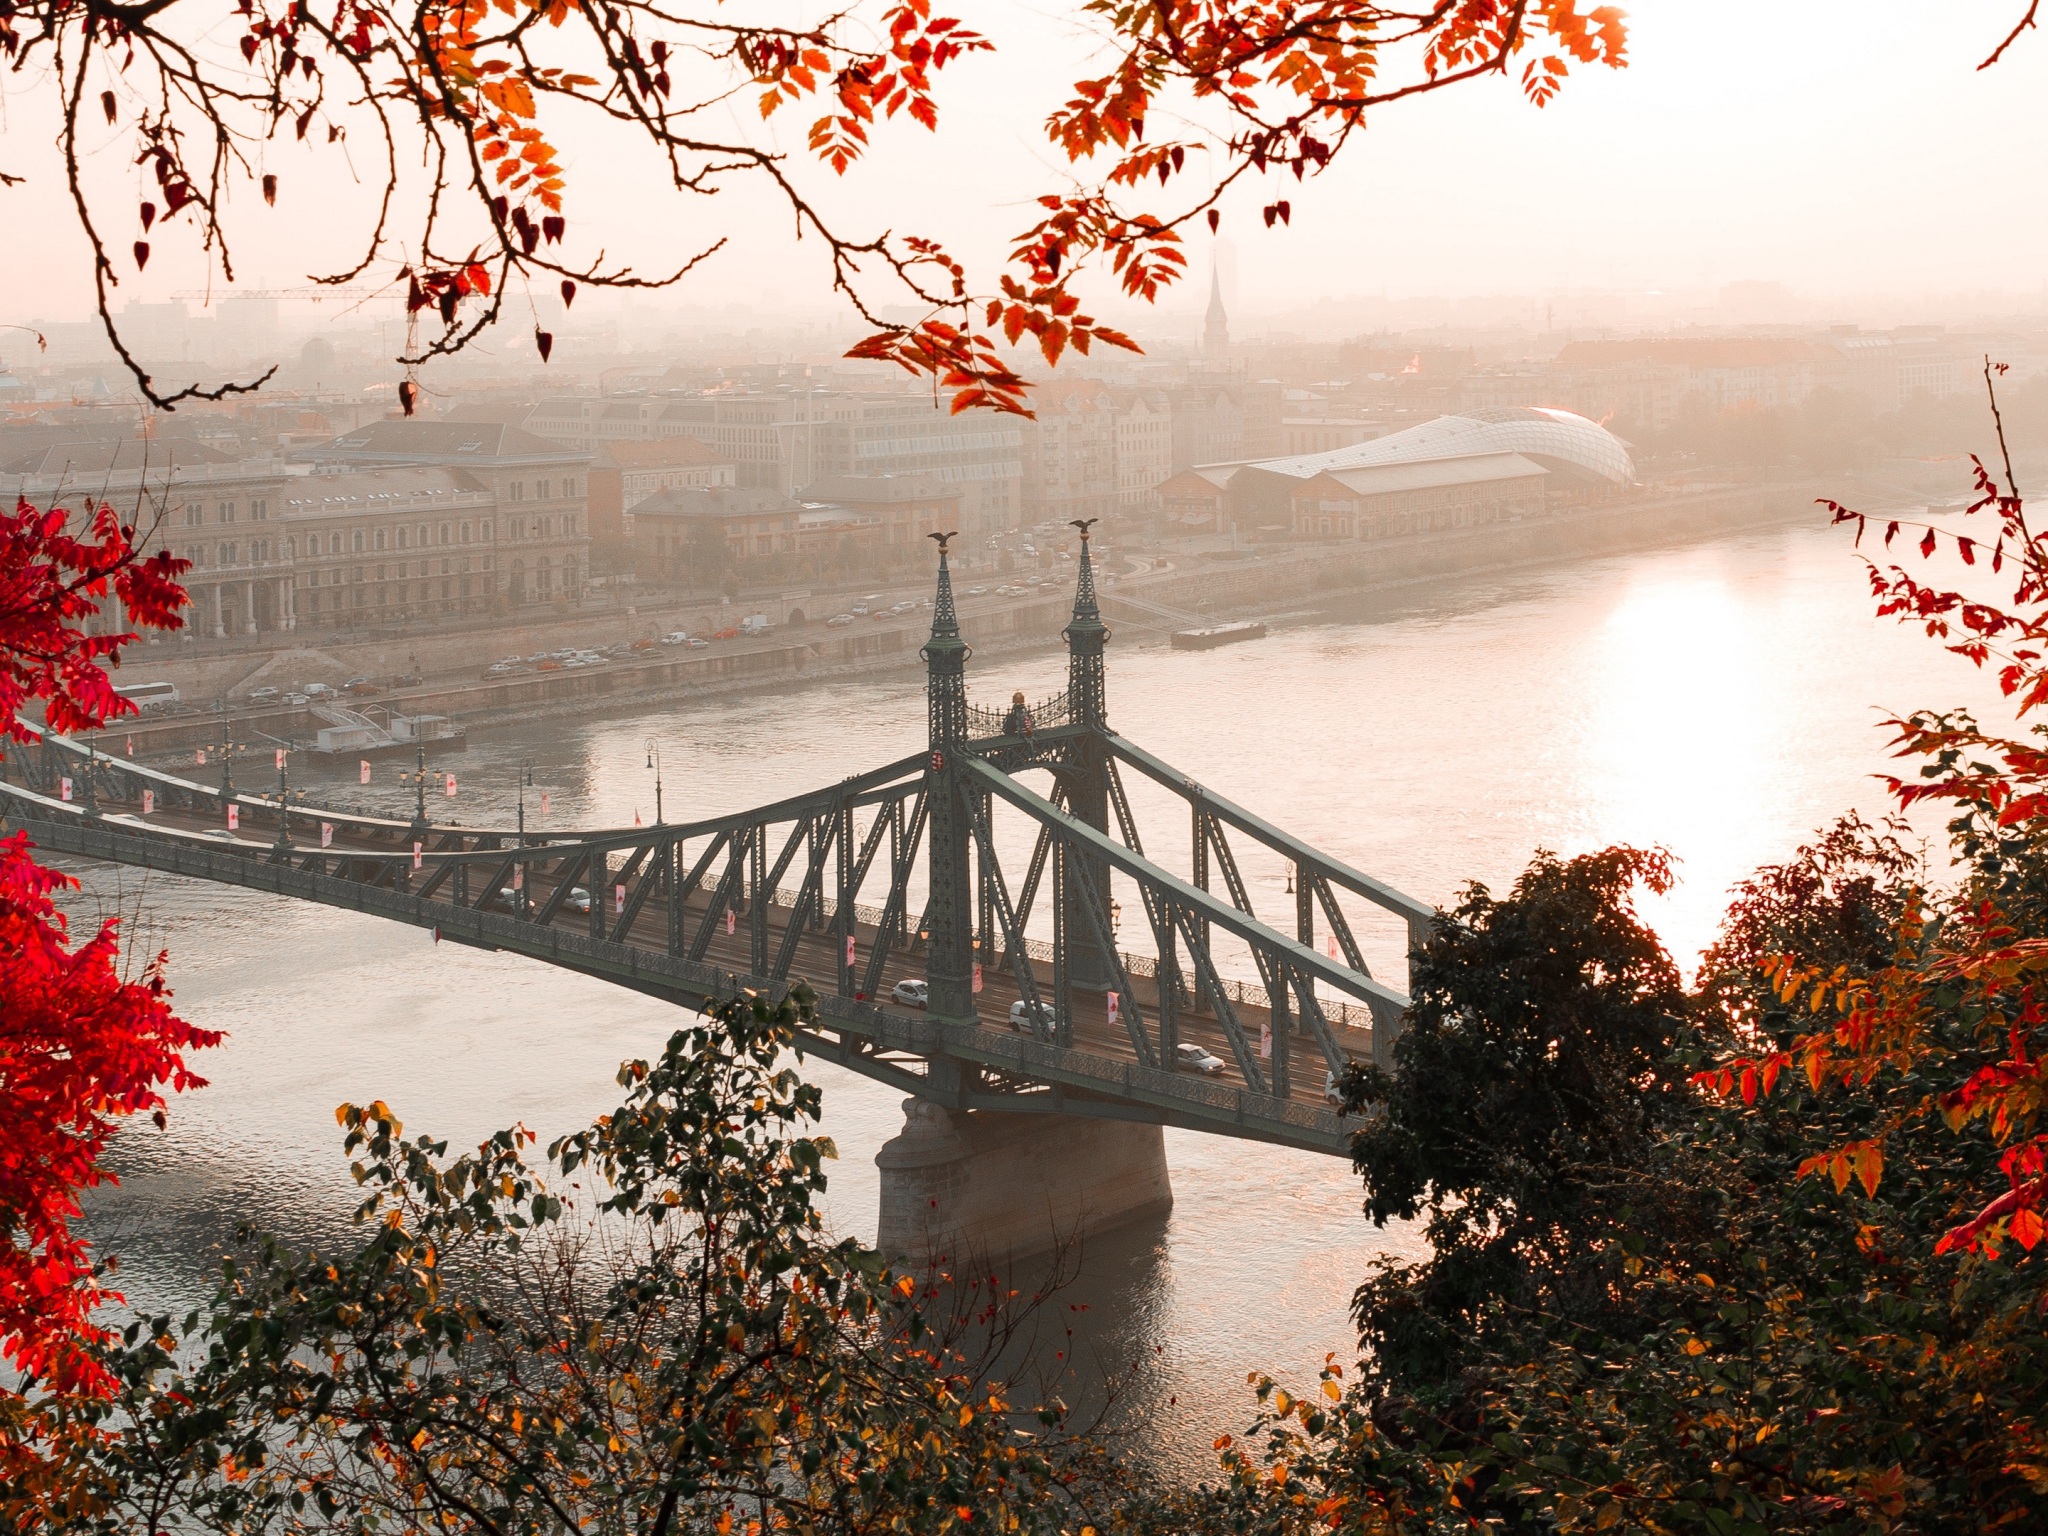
(1720, 699)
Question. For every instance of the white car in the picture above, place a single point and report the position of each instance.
(1333, 1091)
(678, 638)
(1195, 1059)
(911, 993)
(297, 698)
(578, 899)
(839, 620)
(1020, 1015)
(976, 591)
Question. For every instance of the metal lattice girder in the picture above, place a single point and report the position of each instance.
(902, 859)
(565, 880)
(1133, 1018)
(1417, 914)
(737, 846)
(1013, 935)
(1198, 903)
(1219, 999)
(811, 897)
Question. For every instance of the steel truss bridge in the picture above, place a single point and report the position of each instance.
(756, 900)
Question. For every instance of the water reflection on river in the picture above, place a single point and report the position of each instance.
(1718, 699)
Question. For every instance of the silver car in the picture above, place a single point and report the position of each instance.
(1195, 1059)
(911, 993)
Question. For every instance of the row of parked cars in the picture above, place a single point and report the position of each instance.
(871, 607)
(311, 693)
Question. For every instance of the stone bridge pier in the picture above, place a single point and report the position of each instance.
(979, 1184)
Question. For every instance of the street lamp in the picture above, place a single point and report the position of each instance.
(283, 846)
(525, 783)
(654, 762)
(419, 815)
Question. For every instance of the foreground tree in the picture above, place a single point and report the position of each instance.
(209, 97)
(648, 1331)
(82, 1046)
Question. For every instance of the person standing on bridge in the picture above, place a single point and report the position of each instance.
(1018, 721)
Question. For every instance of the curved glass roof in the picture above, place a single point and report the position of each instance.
(1555, 438)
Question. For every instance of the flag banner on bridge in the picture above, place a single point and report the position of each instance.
(131, 746)
(1266, 1041)
(543, 802)
(148, 801)
(977, 975)
(234, 817)
(849, 949)
(636, 816)
(326, 834)
(363, 770)
(64, 789)
(200, 757)
(1331, 946)
(518, 877)
(1114, 1003)
(451, 786)
(618, 899)
(416, 851)
(731, 922)
(280, 757)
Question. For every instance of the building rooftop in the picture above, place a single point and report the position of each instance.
(1479, 468)
(439, 441)
(658, 453)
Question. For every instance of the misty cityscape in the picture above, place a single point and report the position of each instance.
(1128, 771)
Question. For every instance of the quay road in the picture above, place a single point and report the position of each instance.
(662, 671)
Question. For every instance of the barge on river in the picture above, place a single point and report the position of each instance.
(1221, 634)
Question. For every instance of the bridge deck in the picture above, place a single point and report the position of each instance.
(885, 1040)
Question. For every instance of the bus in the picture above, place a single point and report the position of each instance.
(149, 696)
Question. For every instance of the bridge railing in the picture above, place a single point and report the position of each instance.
(1045, 714)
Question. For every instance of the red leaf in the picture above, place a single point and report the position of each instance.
(1927, 544)
(141, 254)
(148, 216)
(270, 190)
(107, 104)
(568, 293)
(1215, 218)
(545, 342)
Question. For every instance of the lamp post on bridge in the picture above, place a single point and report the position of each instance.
(654, 762)
(281, 850)
(419, 780)
(519, 869)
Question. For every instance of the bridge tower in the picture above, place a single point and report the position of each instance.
(1082, 884)
(950, 960)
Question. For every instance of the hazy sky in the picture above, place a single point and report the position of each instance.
(1838, 146)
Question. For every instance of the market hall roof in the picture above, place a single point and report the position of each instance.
(1558, 440)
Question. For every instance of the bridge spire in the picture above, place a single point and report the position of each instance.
(1086, 636)
(945, 657)
(949, 961)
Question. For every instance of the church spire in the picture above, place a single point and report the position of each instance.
(1216, 325)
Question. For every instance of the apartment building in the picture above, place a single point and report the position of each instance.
(541, 491)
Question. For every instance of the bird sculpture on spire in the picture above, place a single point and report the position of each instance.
(1084, 524)
(943, 539)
